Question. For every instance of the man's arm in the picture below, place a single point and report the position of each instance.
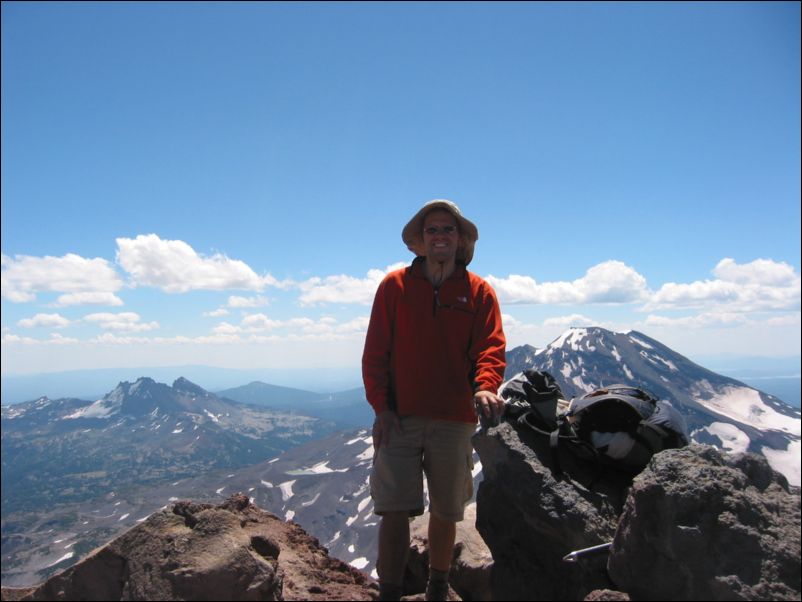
(487, 351)
(376, 359)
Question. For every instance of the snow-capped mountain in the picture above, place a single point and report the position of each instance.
(56, 451)
(719, 410)
(76, 472)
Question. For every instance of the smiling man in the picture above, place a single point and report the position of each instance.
(434, 356)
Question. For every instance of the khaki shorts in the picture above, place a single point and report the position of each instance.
(441, 449)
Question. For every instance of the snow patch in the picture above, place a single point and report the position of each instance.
(212, 416)
(363, 504)
(616, 355)
(733, 439)
(639, 342)
(319, 468)
(312, 501)
(286, 490)
(102, 408)
(359, 563)
(628, 372)
(745, 405)
(66, 556)
(366, 455)
(290, 515)
(124, 516)
(359, 437)
(786, 461)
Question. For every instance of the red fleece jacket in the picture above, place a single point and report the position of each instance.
(427, 351)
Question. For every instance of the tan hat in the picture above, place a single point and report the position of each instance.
(412, 234)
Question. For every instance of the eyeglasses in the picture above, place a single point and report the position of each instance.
(432, 230)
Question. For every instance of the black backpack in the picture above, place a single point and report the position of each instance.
(617, 426)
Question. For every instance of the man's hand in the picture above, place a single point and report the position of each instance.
(488, 404)
(385, 423)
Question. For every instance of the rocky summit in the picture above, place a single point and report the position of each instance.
(232, 551)
(694, 525)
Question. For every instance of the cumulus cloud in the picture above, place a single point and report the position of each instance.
(759, 271)
(259, 322)
(23, 276)
(226, 328)
(343, 288)
(608, 282)
(324, 328)
(88, 298)
(761, 285)
(124, 321)
(175, 267)
(705, 320)
(45, 320)
(239, 302)
(567, 321)
(222, 311)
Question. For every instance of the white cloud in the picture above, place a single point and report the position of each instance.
(258, 322)
(88, 298)
(23, 276)
(705, 320)
(124, 321)
(46, 320)
(222, 311)
(258, 301)
(787, 320)
(175, 267)
(761, 285)
(760, 271)
(57, 339)
(567, 321)
(343, 288)
(608, 282)
(14, 339)
(226, 328)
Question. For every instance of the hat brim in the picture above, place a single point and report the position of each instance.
(412, 234)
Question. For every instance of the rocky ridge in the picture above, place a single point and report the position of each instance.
(231, 551)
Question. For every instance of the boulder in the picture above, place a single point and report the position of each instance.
(189, 551)
(532, 517)
(699, 525)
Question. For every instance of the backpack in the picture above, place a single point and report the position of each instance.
(618, 426)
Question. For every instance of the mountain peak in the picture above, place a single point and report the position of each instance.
(186, 386)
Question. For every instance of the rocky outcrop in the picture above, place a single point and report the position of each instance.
(701, 526)
(694, 525)
(233, 551)
(531, 518)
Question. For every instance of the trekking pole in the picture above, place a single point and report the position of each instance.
(578, 555)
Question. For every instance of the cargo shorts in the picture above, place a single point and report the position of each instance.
(439, 448)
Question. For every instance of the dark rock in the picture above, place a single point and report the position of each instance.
(605, 594)
(190, 551)
(702, 526)
(531, 518)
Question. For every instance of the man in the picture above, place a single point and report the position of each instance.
(434, 356)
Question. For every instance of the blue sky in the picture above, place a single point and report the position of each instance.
(226, 183)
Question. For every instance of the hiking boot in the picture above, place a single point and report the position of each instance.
(437, 590)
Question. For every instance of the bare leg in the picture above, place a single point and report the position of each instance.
(441, 542)
(393, 547)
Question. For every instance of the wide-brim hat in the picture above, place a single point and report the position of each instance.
(412, 234)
